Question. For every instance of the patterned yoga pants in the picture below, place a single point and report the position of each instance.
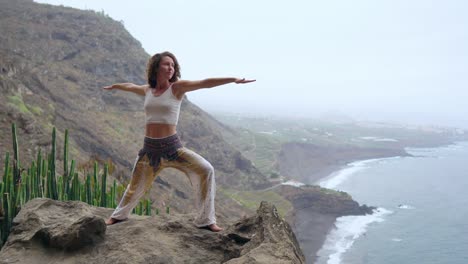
(196, 168)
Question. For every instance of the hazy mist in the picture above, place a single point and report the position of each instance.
(397, 61)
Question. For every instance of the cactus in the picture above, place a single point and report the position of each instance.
(39, 184)
(103, 186)
(65, 162)
(40, 180)
(28, 184)
(32, 181)
(89, 198)
(113, 194)
(75, 189)
(147, 207)
(95, 183)
(54, 191)
(1, 193)
(82, 191)
(51, 191)
(71, 193)
(69, 177)
(21, 196)
(7, 216)
(48, 180)
(140, 208)
(16, 164)
(59, 188)
(16, 161)
(6, 175)
(44, 178)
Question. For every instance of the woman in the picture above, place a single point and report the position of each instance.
(162, 148)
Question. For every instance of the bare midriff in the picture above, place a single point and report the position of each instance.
(160, 130)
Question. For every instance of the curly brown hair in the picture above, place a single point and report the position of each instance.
(153, 67)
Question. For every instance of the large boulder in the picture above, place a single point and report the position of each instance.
(48, 231)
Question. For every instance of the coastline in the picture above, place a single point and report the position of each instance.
(309, 163)
(346, 229)
(313, 228)
(331, 181)
(338, 176)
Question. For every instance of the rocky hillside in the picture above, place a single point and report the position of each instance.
(55, 61)
(74, 232)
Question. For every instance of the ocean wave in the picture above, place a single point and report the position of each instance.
(347, 230)
(437, 152)
(293, 183)
(405, 206)
(379, 139)
(338, 177)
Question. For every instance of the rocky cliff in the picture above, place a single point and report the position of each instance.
(315, 212)
(48, 231)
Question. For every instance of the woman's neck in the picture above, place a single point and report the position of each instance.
(162, 85)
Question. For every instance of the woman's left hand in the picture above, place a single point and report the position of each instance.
(243, 80)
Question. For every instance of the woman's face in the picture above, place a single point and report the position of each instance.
(166, 68)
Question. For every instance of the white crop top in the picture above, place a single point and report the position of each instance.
(162, 109)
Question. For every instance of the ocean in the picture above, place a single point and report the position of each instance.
(421, 215)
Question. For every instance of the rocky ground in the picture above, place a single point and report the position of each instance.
(48, 231)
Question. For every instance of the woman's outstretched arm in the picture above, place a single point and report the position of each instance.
(128, 87)
(181, 87)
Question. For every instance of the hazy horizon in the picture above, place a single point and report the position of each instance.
(394, 61)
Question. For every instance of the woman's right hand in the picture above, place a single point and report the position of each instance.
(110, 87)
(243, 80)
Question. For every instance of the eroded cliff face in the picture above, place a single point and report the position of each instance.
(315, 212)
(48, 231)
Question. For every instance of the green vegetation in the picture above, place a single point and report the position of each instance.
(36, 110)
(361, 134)
(40, 180)
(334, 192)
(259, 148)
(252, 199)
(17, 102)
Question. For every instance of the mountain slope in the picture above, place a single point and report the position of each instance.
(53, 63)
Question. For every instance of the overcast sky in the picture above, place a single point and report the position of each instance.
(389, 60)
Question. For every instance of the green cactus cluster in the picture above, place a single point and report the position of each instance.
(40, 180)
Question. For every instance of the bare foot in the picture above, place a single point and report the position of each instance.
(214, 228)
(112, 221)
